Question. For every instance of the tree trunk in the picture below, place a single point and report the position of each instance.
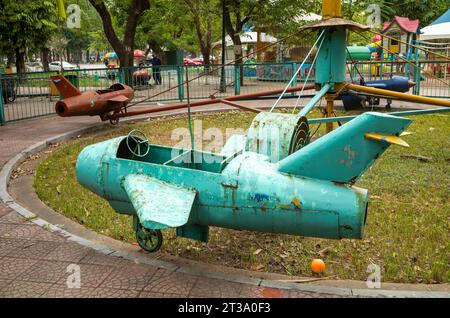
(203, 38)
(126, 58)
(126, 67)
(45, 52)
(78, 56)
(10, 60)
(233, 32)
(20, 61)
(124, 48)
(206, 58)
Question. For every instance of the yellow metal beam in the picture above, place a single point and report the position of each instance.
(331, 9)
(391, 139)
(399, 96)
(330, 110)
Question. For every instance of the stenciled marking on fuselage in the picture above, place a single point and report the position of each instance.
(259, 197)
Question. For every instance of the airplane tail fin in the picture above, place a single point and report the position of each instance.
(346, 153)
(65, 88)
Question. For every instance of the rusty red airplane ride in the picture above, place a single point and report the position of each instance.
(102, 102)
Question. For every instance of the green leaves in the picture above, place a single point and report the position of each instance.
(49, 23)
(25, 24)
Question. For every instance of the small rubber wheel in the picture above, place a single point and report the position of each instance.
(114, 121)
(11, 98)
(148, 240)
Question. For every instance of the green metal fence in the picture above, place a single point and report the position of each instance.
(434, 80)
(30, 95)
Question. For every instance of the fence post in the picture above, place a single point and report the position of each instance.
(381, 67)
(2, 111)
(295, 75)
(417, 78)
(237, 79)
(180, 78)
(416, 89)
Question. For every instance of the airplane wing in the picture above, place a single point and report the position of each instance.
(159, 204)
(118, 99)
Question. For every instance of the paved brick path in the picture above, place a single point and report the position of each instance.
(34, 262)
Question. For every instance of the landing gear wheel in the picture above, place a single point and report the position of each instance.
(114, 121)
(11, 98)
(148, 240)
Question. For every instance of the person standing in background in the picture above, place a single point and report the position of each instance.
(156, 68)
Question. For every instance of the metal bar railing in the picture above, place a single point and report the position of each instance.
(29, 95)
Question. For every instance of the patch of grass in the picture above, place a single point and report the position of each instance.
(408, 223)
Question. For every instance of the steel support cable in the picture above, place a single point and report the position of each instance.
(415, 46)
(300, 67)
(213, 69)
(307, 77)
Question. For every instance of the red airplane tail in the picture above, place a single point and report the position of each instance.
(65, 88)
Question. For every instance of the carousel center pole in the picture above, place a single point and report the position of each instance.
(331, 58)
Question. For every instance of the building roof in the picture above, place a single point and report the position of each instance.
(411, 26)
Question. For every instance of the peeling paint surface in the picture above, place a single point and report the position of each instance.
(159, 204)
(247, 193)
(277, 135)
(344, 154)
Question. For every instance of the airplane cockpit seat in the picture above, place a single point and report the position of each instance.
(113, 88)
(117, 87)
(104, 91)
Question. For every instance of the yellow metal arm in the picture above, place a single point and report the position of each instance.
(390, 139)
(398, 96)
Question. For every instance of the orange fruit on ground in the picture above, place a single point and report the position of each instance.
(317, 266)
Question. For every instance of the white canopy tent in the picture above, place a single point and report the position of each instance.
(439, 31)
(248, 38)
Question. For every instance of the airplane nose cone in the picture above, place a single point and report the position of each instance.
(89, 169)
(411, 84)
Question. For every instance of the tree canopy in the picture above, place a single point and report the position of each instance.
(24, 26)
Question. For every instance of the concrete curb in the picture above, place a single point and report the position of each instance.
(13, 163)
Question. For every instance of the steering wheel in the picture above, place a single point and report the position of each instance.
(142, 145)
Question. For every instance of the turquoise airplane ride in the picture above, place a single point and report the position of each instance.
(274, 179)
(309, 192)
